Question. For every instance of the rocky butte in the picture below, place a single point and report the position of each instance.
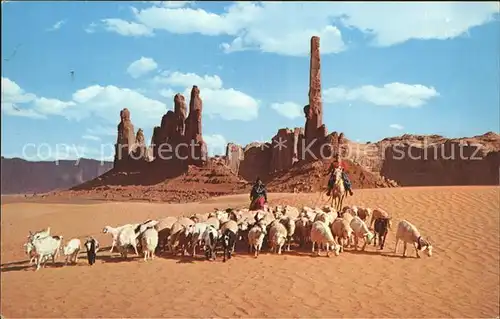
(290, 146)
(177, 142)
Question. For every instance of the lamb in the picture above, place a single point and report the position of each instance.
(149, 241)
(382, 226)
(289, 224)
(71, 250)
(277, 236)
(360, 230)
(195, 232)
(408, 233)
(321, 234)
(210, 237)
(342, 232)
(92, 245)
(114, 231)
(256, 237)
(47, 247)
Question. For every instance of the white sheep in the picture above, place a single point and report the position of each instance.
(321, 234)
(30, 251)
(177, 234)
(196, 232)
(327, 218)
(114, 231)
(149, 241)
(277, 236)
(127, 237)
(408, 233)
(71, 250)
(342, 232)
(210, 237)
(256, 236)
(39, 234)
(302, 230)
(46, 247)
(289, 224)
(360, 230)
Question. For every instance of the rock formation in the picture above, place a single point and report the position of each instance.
(125, 140)
(139, 152)
(289, 147)
(314, 110)
(178, 138)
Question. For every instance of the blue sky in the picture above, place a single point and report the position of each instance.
(387, 69)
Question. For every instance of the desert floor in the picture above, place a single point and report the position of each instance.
(461, 279)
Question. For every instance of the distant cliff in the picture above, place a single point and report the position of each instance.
(24, 177)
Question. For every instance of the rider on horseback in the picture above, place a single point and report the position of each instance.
(258, 195)
(331, 181)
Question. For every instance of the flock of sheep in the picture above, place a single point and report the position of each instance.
(222, 229)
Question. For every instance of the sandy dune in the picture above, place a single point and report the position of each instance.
(460, 280)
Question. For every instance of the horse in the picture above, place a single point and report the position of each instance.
(338, 190)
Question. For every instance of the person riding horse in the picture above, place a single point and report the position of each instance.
(258, 195)
(331, 171)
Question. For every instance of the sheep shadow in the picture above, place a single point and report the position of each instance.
(19, 266)
(397, 256)
(117, 258)
(15, 263)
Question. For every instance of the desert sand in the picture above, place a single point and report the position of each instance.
(461, 279)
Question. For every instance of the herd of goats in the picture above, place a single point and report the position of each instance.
(222, 229)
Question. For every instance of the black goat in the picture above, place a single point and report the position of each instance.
(228, 240)
(381, 228)
(91, 245)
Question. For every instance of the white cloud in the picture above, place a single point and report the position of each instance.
(216, 144)
(102, 131)
(91, 137)
(52, 106)
(178, 79)
(167, 93)
(171, 4)
(142, 66)
(288, 109)
(124, 28)
(57, 25)
(229, 104)
(91, 28)
(100, 101)
(286, 27)
(392, 94)
(13, 96)
(107, 101)
(396, 126)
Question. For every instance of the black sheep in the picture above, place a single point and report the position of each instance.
(228, 240)
(90, 245)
